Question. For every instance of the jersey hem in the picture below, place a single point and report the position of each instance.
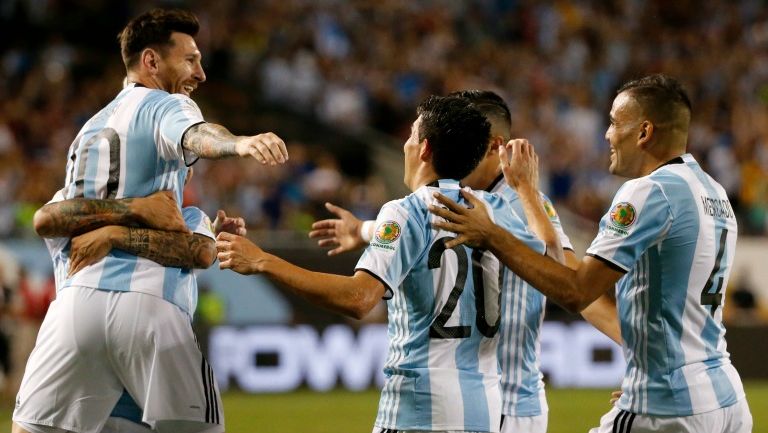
(181, 144)
(439, 427)
(704, 409)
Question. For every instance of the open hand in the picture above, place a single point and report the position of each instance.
(342, 234)
(519, 163)
(233, 225)
(267, 148)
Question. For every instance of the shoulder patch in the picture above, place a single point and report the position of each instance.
(387, 232)
(549, 209)
(622, 216)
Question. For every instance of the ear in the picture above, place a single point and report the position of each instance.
(150, 59)
(425, 151)
(496, 142)
(646, 133)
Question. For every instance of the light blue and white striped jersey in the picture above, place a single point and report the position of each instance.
(522, 312)
(131, 148)
(674, 234)
(175, 285)
(442, 370)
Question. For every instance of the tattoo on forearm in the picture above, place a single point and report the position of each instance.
(72, 217)
(209, 140)
(172, 249)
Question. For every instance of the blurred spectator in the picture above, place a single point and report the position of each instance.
(743, 306)
(31, 300)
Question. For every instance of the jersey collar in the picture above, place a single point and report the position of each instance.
(445, 183)
(495, 183)
(677, 160)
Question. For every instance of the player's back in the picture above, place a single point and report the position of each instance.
(522, 308)
(670, 300)
(131, 148)
(442, 369)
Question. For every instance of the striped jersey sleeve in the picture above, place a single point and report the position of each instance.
(639, 218)
(198, 221)
(513, 198)
(396, 241)
(523, 309)
(506, 217)
(176, 114)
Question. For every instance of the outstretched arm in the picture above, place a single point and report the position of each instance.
(602, 312)
(572, 289)
(72, 217)
(353, 296)
(212, 141)
(172, 249)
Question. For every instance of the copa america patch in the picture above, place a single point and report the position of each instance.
(549, 209)
(622, 216)
(387, 232)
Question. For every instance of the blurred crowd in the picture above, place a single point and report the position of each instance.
(365, 65)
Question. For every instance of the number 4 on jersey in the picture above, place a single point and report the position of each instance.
(715, 299)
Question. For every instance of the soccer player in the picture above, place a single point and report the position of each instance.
(524, 407)
(444, 312)
(666, 246)
(90, 247)
(123, 321)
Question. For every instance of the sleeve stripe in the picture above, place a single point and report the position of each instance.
(613, 265)
(388, 293)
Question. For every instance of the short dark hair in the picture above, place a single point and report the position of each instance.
(660, 96)
(153, 30)
(457, 133)
(491, 105)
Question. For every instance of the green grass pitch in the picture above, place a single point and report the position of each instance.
(571, 411)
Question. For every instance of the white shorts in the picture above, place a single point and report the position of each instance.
(524, 424)
(732, 419)
(388, 430)
(94, 343)
(122, 425)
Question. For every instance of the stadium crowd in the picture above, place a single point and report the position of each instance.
(365, 66)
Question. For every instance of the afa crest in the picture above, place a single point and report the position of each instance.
(623, 215)
(387, 232)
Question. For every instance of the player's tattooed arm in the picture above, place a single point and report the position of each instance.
(174, 249)
(212, 141)
(209, 140)
(72, 217)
